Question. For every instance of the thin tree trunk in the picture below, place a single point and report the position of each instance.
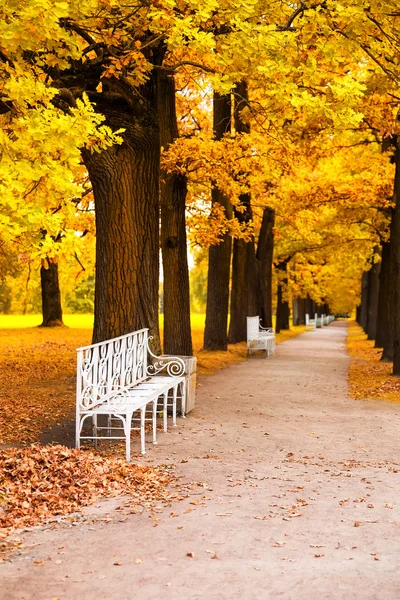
(385, 317)
(125, 180)
(383, 335)
(282, 307)
(265, 254)
(310, 308)
(373, 295)
(51, 295)
(245, 294)
(295, 310)
(301, 311)
(364, 301)
(395, 249)
(173, 188)
(219, 256)
(244, 297)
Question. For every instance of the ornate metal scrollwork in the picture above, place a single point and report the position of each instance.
(174, 365)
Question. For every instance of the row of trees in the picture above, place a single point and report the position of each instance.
(261, 128)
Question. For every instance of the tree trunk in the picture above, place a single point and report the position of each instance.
(245, 294)
(373, 295)
(219, 256)
(282, 307)
(51, 296)
(295, 310)
(301, 312)
(244, 297)
(384, 337)
(125, 180)
(395, 250)
(265, 254)
(364, 301)
(310, 307)
(173, 188)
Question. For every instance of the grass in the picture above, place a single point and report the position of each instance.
(369, 377)
(27, 321)
(38, 368)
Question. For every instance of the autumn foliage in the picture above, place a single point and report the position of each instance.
(369, 377)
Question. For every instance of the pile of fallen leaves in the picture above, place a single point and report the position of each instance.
(40, 482)
(368, 376)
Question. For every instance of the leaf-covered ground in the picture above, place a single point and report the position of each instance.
(37, 379)
(38, 369)
(40, 482)
(368, 376)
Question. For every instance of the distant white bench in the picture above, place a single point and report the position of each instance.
(259, 338)
(119, 379)
(311, 324)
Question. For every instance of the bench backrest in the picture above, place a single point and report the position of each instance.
(253, 328)
(110, 366)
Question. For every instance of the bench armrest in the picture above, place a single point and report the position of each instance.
(267, 330)
(174, 365)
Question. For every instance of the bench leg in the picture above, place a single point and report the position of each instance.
(127, 422)
(165, 412)
(95, 430)
(183, 398)
(142, 430)
(174, 396)
(155, 421)
(78, 433)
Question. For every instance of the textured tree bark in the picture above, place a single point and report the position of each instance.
(295, 310)
(245, 293)
(265, 254)
(173, 191)
(373, 295)
(219, 256)
(364, 301)
(282, 307)
(384, 333)
(301, 311)
(310, 307)
(51, 295)
(395, 250)
(125, 180)
(385, 317)
(244, 296)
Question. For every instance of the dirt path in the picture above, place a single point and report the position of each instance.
(298, 497)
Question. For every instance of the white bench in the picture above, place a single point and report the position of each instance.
(311, 324)
(119, 378)
(259, 338)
